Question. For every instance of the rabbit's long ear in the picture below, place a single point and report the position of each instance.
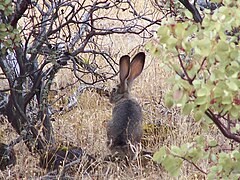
(136, 67)
(124, 70)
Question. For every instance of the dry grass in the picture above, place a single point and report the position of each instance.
(85, 126)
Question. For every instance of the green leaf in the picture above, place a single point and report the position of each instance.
(203, 92)
(226, 164)
(222, 35)
(217, 92)
(2, 7)
(226, 2)
(207, 119)
(237, 127)
(227, 99)
(171, 42)
(214, 170)
(7, 2)
(10, 9)
(213, 143)
(175, 150)
(192, 71)
(202, 47)
(213, 157)
(172, 165)
(168, 101)
(236, 154)
(188, 14)
(197, 84)
(187, 108)
(216, 1)
(200, 140)
(211, 176)
(222, 46)
(180, 30)
(234, 54)
(198, 115)
(159, 155)
(234, 112)
(176, 68)
(3, 28)
(201, 100)
(185, 84)
(163, 31)
(185, 147)
(218, 74)
(232, 84)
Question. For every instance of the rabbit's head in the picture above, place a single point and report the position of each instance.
(127, 73)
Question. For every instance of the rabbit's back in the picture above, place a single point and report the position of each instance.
(126, 123)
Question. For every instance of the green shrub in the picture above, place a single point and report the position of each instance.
(9, 36)
(206, 60)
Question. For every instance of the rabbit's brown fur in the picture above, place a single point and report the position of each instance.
(125, 128)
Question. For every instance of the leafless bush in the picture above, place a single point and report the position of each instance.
(60, 35)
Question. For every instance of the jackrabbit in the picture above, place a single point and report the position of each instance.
(125, 129)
